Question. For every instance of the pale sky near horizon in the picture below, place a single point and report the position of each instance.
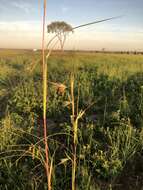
(21, 21)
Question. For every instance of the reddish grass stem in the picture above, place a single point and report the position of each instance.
(47, 165)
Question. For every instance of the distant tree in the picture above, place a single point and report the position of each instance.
(61, 29)
(103, 50)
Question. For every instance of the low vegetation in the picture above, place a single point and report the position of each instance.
(94, 111)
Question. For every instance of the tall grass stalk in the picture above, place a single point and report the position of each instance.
(47, 163)
(76, 115)
(74, 124)
(74, 120)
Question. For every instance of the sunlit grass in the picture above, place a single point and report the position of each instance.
(96, 144)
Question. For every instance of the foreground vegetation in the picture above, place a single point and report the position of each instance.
(108, 93)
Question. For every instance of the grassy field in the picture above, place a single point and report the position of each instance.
(106, 91)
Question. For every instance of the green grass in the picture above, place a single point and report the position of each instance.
(108, 135)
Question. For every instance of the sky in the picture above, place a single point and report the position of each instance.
(21, 23)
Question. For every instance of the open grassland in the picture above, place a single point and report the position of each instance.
(111, 64)
(109, 133)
